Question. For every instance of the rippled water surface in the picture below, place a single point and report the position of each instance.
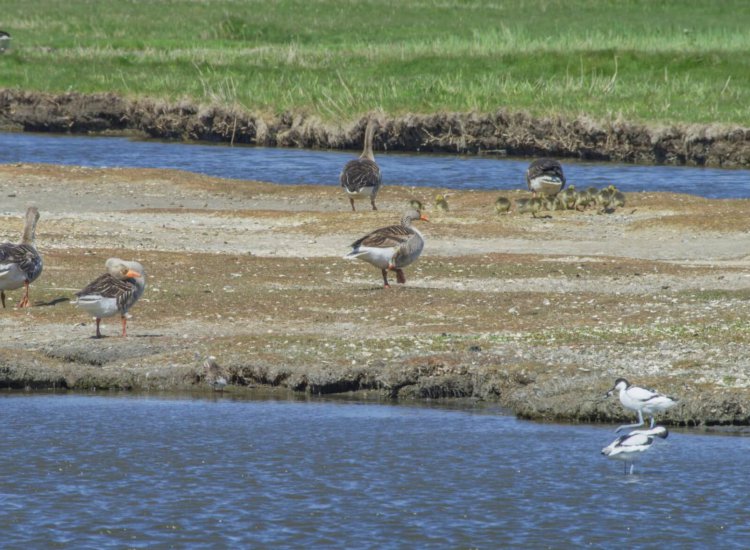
(96, 472)
(301, 166)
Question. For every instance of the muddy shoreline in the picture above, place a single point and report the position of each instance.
(539, 315)
(501, 133)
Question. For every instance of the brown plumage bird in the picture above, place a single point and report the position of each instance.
(545, 176)
(391, 248)
(21, 264)
(360, 177)
(116, 291)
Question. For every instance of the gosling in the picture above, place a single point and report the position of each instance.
(502, 205)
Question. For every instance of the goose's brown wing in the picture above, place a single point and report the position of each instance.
(385, 237)
(124, 291)
(107, 286)
(545, 167)
(360, 173)
(25, 256)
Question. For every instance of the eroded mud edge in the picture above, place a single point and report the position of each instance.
(527, 391)
(501, 133)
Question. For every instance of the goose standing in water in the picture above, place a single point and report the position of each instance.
(391, 248)
(640, 400)
(113, 292)
(21, 264)
(545, 176)
(361, 177)
(628, 447)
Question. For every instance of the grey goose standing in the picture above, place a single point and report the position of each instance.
(545, 176)
(21, 264)
(360, 177)
(391, 248)
(113, 292)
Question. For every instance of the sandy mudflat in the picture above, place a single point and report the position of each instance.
(540, 314)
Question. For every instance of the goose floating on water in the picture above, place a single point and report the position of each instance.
(360, 177)
(21, 264)
(391, 248)
(116, 291)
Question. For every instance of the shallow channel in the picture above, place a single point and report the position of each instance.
(140, 472)
(322, 167)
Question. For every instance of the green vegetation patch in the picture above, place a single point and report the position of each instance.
(651, 61)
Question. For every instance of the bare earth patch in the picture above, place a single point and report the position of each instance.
(540, 314)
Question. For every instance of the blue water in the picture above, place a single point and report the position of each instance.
(143, 472)
(301, 166)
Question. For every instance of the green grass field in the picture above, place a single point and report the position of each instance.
(652, 61)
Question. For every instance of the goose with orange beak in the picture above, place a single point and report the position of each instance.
(116, 291)
(391, 248)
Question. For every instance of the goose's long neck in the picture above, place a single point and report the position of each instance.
(369, 134)
(29, 228)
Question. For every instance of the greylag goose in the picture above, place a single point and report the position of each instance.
(113, 292)
(502, 205)
(628, 447)
(545, 176)
(391, 248)
(640, 400)
(361, 177)
(21, 264)
(441, 203)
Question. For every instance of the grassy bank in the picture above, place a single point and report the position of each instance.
(676, 61)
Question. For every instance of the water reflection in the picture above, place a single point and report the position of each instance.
(301, 166)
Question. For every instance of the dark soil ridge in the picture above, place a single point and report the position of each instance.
(501, 133)
(528, 393)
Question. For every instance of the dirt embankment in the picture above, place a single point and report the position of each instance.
(540, 314)
(500, 133)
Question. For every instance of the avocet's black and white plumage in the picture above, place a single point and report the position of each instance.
(21, 264)
(360, 177)
(391, 248)
(113, 292)
(640, 400)
(545, 176)
(629, 447)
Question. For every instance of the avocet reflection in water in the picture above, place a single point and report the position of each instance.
(317, 167)
(94, 472)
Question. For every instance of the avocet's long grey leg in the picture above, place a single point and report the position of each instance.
(632, 466)
(652, 423)
(640, 423)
